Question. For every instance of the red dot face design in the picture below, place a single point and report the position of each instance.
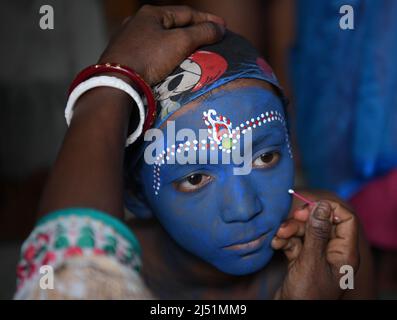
(200, 69)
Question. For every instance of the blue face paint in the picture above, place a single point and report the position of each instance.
(228, 220)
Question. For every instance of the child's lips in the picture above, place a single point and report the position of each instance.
(250, 245)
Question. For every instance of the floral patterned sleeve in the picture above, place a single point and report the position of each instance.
(91, 254)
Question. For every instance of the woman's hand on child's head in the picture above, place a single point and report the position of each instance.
(157, 39)
(317, 241)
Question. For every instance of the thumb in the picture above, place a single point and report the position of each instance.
(318, 229)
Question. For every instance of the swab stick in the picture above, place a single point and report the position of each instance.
(291, 191)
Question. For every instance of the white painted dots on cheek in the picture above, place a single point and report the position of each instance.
(156, 179)
(220, 136)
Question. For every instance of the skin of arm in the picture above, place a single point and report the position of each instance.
(84, 175)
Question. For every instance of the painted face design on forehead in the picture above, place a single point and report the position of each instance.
(221, 135)
(227, 220)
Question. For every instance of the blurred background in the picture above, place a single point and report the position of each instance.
(341, 83)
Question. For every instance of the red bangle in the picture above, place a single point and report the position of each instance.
(128, 72)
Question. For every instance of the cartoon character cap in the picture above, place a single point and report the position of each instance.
(208, 68)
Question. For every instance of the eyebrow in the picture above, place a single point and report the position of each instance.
(258, 139)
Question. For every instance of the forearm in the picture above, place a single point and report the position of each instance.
(88, 170)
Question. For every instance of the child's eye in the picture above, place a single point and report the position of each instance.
(267, 160)
(193, 182)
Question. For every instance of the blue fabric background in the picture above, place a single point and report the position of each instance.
(345, 88)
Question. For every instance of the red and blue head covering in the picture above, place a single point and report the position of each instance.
(208, 68)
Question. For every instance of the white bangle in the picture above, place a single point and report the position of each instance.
(106, 81)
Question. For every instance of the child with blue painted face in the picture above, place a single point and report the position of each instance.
(224, 100)
(225, 217)
(214, 227)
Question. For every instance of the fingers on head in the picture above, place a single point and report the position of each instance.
(180, 16)
(199, 34)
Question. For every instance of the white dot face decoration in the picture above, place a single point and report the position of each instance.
(221, 136)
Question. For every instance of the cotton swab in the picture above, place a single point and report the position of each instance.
(335, 219)
(291, 191)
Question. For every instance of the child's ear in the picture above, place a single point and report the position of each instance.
(137, 205)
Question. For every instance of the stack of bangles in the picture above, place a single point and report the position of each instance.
(86, 80)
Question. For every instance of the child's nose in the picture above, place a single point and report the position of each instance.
(241, 202)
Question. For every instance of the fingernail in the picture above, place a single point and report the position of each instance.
(218, 20)
(322, 211)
